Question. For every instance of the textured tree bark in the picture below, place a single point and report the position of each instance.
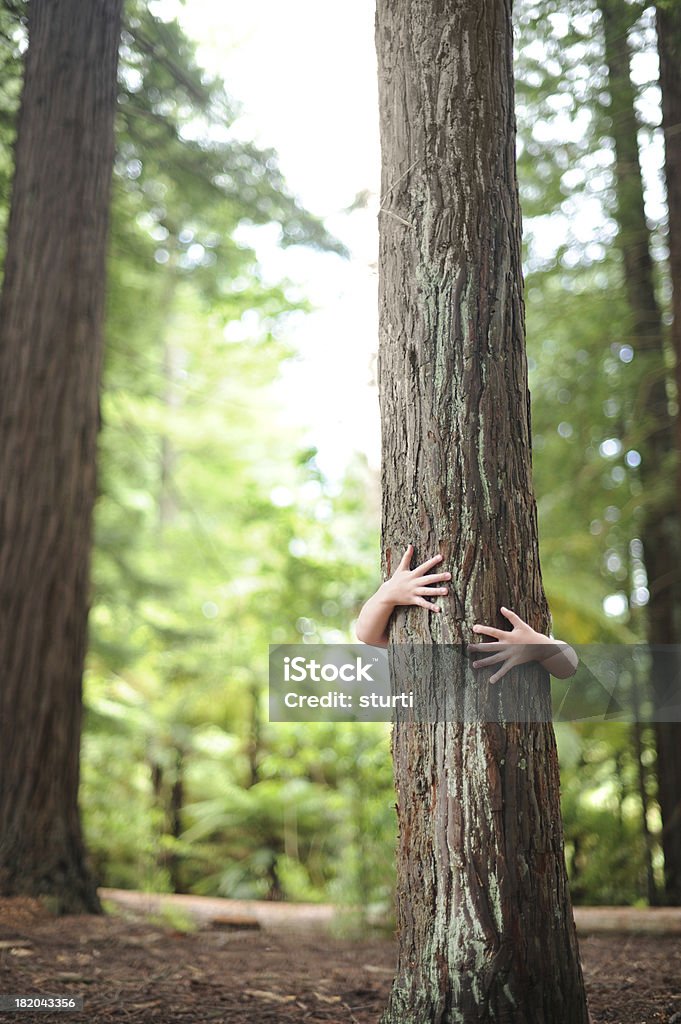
(668, 20)
(175, 810)
(669, 742)
(51, 315)
(661, 535)
(485, 923)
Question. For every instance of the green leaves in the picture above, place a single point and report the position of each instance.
(216, 533)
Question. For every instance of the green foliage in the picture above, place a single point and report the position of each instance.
(11, 37)
(217, 534)
(586, 380)
(605, 844)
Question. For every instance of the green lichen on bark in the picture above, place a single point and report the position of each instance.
(484, 920)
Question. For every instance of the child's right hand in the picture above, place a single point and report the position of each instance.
(413, 586)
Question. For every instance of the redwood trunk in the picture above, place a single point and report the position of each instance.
(485, 924)
(51, 315)
(669, 743)
(661, 526)
(669, 50)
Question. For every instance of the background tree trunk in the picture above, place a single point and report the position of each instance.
(51, 316)
(669, 48)
(661, 527)
(668, 20)
(484, 916)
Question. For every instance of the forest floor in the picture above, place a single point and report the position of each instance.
(141, 964)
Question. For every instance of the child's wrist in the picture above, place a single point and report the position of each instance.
(384, 595)
(556, 647)
(541, 639)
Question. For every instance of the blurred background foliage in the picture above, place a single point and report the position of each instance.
(217, 533)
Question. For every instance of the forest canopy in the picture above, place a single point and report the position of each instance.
(217, 533)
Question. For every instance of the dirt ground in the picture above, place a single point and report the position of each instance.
(128, 968)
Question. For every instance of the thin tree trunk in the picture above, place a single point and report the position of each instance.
(254, 742)
(175, 809)
(668, 19)
(485, 922)
(637, 736)
(51, 317)
(661, 527)
(669, 734)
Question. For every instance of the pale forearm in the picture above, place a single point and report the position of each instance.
(562, 663)
(374, 618)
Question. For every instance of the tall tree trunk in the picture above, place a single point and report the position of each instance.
(668, 19)
(661, 527)
(669, 48)
(51, 316)
(637, 737)
(254, 743)
(485, 923)
(175, 809)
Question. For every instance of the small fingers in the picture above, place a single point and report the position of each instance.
(502, 672)
(405, 561)
(489, 648)
(493, 660)
(432, 590)
(435, 577)
(430, 605)
(489, 630)
(512, 617)
(424, 566)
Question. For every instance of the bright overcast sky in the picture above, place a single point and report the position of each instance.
(305, 73)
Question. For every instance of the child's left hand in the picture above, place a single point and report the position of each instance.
(515, 647)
